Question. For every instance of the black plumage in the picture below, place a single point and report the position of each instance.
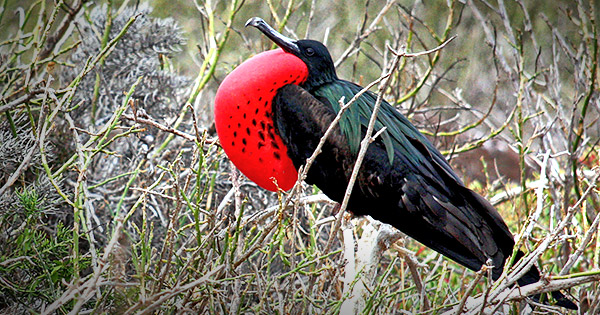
(403, 181)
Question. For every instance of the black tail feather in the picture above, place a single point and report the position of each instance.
(563, 301)
(533, 276)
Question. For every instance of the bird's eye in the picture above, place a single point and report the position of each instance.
(310, 51)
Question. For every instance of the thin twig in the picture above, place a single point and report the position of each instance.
(147, 120)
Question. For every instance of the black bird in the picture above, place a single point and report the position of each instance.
(403, 181)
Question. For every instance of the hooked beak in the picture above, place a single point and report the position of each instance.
(285, 43)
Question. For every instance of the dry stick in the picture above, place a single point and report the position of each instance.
(586, 240)
(549, 286)
(552, 237)
(461, 103)
(539, 191)
(42, 39)
(422, 53)
(169, 242)
(349, 256)
(413, 265)
(160, 298)
(486, 294)
(260, 216)
(53, 39)
(195, 120)
(362, 152)
(151, 122)
(474, 283)
(22, 99)
(527, 262)
(372, 243)
(310, 18)
(490, 37)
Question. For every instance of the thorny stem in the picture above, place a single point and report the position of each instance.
(580, 125)
(210, 63)
(105, 37)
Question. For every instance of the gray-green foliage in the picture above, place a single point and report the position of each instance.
(141, 52)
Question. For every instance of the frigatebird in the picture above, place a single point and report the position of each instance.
(273, 109)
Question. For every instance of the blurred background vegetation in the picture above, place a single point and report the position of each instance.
(116, 198)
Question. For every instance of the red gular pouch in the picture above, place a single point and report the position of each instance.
(244, 117)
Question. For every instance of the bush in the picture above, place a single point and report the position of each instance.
(116, 198)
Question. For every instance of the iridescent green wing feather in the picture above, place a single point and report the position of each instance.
(399, 137)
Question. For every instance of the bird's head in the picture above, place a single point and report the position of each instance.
(313, 53)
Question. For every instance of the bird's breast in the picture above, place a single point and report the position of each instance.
(244, 117)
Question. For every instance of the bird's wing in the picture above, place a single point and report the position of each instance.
(400, 134)
(417, 192)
